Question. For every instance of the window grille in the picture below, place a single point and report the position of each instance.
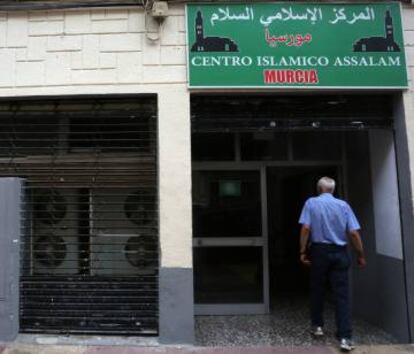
(90, 246)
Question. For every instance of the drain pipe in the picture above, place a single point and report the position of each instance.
(10, 5)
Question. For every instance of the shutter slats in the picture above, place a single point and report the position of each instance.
(90, 248)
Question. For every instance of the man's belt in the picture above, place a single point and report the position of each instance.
(329, 246)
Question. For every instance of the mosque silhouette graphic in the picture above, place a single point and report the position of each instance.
(379, 44)
(210, 44)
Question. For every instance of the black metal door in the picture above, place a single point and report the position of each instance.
(90, 250)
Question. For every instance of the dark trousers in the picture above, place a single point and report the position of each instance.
(330, 262)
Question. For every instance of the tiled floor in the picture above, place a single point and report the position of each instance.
(287, 325)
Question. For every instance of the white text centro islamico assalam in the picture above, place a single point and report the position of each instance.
(292, 61)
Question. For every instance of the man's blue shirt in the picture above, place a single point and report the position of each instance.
(329, 218)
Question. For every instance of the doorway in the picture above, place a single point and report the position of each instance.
(291, 141)
(287, 190)
(229, 241)
(246, 234)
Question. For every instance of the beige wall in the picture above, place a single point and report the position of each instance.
(175, 178)
(106, 51)
(66, 51)
(408, 25)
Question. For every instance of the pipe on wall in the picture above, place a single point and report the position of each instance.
(13, 5)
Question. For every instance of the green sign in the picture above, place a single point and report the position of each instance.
(295, 45)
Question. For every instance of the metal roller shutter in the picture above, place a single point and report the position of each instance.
(90, 250)
(244, 113)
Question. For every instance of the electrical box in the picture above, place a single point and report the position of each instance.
(159, 9)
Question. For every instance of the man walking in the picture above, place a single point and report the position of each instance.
(327, 225)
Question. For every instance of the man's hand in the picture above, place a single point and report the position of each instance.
(359, 249)
(361, 261)
(305, 260)
(304, 239)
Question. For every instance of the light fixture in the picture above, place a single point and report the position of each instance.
(316, 124)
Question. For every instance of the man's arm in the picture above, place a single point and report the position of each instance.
(356, 242)
(305, 221)
(304, 239)
(353, 228)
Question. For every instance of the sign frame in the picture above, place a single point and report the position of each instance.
(289, 88)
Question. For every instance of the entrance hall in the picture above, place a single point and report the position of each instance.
(256, 159)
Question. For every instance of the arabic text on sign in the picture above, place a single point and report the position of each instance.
(225, 15)
(295, 40)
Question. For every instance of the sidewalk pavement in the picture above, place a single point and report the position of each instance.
(17, 348)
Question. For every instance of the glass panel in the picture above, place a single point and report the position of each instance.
(226, 204)
(316, 146)
(212, 146)
(264, 146)
(228, 275)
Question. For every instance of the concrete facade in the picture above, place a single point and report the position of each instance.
(106, 51)
(77, 52)
(408, 25)
(92, 51)
(102, 51)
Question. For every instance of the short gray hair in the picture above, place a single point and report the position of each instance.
(326, 184)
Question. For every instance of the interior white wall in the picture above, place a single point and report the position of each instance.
(379, 290)
(388, 241)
